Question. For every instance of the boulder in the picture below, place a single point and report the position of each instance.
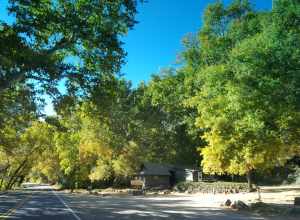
(233, 206)
(227, 203)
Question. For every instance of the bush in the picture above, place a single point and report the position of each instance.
(294, 178)
(214, 187)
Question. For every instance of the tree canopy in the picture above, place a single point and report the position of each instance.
(230, 107)
(249, 97)
(50, 40)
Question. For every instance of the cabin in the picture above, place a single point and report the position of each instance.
(163, 176)
(153, 175)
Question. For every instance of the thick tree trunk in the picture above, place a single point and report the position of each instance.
(250, 180)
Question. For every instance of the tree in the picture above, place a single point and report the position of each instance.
(50, 40)
(249, 102)
(164, 103)
(77, 41)
(26, 149)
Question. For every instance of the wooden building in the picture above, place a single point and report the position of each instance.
(162, 176)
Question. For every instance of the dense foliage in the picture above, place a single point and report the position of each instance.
(234, 99)
(49, 43)
(249, 98)
(50, 40)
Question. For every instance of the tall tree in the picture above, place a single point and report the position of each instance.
(249, 101)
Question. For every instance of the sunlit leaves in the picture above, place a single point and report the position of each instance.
(243, 102)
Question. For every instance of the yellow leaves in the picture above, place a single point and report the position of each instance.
(93, 140)
(39, 134)
(90, 147)
(102, 171)
(123, 164)
(128, 161)
(211, 162)
(214, 155)
(4, 160)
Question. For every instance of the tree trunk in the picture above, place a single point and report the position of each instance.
(13, 177)
(249, 180)
(1, 183)
(4, 173)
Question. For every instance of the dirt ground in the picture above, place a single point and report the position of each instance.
(276, 202)
(284, 195)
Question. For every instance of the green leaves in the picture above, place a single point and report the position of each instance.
(47, 34)
(72, 42)
(242, 100)
(236, 95)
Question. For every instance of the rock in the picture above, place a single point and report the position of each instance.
(166, 192)
(297, 201)
(227, 202)
(233, 206)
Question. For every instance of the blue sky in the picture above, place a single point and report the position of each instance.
(156, 40)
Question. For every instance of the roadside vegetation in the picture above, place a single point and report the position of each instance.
(232, 106)
(211, 187)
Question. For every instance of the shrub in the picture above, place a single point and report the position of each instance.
(211, 187)
(294, 178)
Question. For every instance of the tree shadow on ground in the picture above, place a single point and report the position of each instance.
(281, 211)
(136, 208)
(9, 200)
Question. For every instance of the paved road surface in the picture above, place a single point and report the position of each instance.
(43, 203)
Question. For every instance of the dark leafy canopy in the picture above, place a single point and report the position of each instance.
(50, 40)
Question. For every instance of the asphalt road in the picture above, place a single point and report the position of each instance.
(43, 203)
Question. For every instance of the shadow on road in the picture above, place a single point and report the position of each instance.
(95, 207)
(45, 205)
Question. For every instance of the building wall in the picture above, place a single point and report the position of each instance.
(180, 176)
(157, 181)
(189, 176)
